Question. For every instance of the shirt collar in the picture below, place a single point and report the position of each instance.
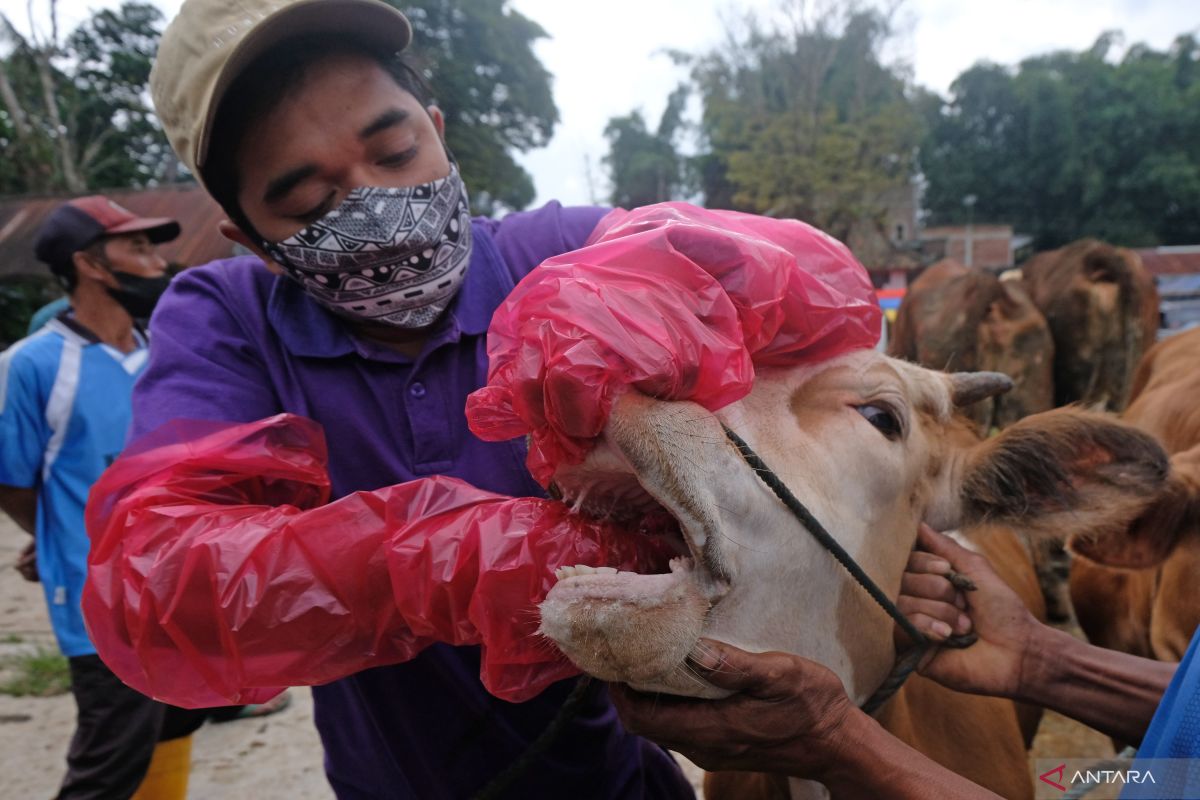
(488, 283)
(308, 329)
(66, 324)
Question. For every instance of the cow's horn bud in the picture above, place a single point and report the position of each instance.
(971, 387)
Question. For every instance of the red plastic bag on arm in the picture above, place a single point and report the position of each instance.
(218, 574)
(676, 301)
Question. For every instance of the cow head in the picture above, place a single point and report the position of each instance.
(955, 318)
(1015, 340)
(871, 445)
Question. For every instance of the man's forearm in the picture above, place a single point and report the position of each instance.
(871, 763)
(1113, 692)
(21, 505)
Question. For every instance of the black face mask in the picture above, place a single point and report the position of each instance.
(138, 295)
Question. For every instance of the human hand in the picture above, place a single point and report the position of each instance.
(27, 563)
(1004, 626)
(787, 714)
(932, 598)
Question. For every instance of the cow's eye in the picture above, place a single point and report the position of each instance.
(884, 420)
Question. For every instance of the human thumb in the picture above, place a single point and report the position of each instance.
(728, 667)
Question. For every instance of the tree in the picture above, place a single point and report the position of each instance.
(804, 119)
(494, 91)
(645, 167)
(73, 113)
(1068, 145)
(92, 127)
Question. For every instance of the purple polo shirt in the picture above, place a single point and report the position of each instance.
(234, 342)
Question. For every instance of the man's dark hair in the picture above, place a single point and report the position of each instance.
(266, 82)
(65, 272)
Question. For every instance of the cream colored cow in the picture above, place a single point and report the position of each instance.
(871, 446)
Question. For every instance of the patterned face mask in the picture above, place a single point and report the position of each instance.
(386, 256)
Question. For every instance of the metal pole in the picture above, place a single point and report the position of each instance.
(969, 245)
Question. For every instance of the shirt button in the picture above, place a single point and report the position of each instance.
(417, 390)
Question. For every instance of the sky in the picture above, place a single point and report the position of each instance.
(608, 59)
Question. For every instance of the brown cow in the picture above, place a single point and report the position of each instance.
(958, 319)
(1154, 611)
(1102, 309)
(955, 318)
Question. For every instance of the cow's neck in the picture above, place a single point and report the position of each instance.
(814, 610)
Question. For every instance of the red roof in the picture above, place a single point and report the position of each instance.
(1183, 260)
(199, 241)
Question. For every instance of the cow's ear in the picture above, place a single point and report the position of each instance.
(1063, 473)
(1173, 516)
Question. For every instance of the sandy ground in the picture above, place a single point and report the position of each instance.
(264, 759)
(274, 757)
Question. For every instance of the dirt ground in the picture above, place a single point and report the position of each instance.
(274, 757)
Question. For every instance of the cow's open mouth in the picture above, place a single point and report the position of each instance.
(603, 491)
(633, 627)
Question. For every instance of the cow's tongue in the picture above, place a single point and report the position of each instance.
(603, 491)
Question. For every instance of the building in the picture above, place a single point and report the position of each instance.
(887, 245)
(978, 246)
(1176, 271)
(1179, 260)
(199, 240)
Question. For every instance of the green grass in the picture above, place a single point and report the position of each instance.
(41, 674)
(12, 638)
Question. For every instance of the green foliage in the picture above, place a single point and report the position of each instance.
(645, 167)
(806, 120)
(115, 51)
(478, 54)
(20, 297)
(1069, 145)
(28, 163)
(43, 673)
(494, 91)
(77, 115)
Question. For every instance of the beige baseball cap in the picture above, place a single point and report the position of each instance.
(210, 42)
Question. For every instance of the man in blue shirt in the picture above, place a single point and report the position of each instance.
(64, 412)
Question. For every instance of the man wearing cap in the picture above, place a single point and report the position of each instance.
(64, 412)
(365, 308)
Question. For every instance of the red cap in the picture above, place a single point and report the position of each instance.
(116, 219)
(78, 223)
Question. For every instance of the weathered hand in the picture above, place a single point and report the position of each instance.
(992, 665)
(786, 713)
(929, 598)
(27, 563)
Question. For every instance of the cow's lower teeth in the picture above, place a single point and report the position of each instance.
(562, 573)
